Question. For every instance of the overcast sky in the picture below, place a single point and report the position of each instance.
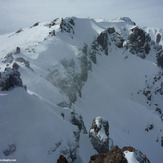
(16, 14)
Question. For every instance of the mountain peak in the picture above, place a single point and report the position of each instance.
(76, 69)
(126, 20)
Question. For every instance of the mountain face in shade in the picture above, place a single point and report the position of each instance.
(59, 76)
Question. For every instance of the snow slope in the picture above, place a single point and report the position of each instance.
(33, 126)
(112, 95)
(66, 91)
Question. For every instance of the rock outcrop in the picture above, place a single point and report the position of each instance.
(114, 156)
(139, 42)
(66, 25)
(160, 59)
(99, 135)
(158, 38)
(10, 78)
(77, 120)
(10, 150)
(117, 155)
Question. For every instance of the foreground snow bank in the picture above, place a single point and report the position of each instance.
(38, 133)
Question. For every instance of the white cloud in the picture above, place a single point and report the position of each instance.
(15, 14)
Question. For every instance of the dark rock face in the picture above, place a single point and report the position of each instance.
(20, 30)
(62, 159)
(72, 22)
(77, 120)
(162, 141)
(15, 66)
(10, 150)
(102, 40)
(34, 25)
(160, 59)
(99, 135)
(93, 52)
(114, 156)
(158, 38)
(9, 79)
(17, 50)
(117, 39)
(67, 25)
(139, 42)
(52, 33)
(52, 23)
(108, 37)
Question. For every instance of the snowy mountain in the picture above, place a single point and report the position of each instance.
(58, 77)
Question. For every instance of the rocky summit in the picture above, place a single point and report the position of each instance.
(117, 155)
(79, 89)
